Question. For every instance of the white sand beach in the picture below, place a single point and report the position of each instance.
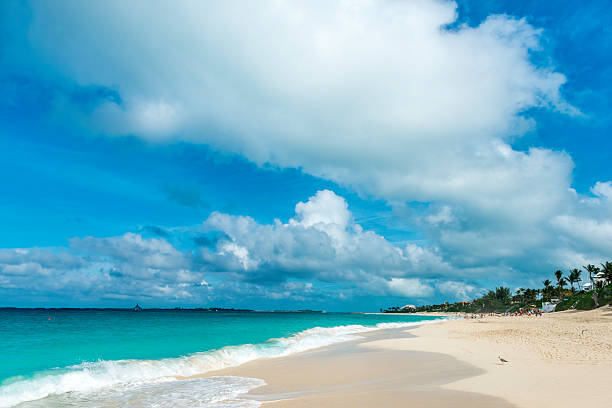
(559, 359)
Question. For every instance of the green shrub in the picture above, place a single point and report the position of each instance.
(584, 301)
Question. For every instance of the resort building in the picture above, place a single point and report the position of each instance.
(598, 279)
(548, 307)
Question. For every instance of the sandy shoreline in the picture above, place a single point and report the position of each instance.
(559, 359)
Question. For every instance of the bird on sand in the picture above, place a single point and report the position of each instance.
(502, 359)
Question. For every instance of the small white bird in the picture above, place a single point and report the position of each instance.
(502, 359)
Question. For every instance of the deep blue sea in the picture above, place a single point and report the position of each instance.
(109, 358)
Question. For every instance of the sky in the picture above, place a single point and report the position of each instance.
(345, 156)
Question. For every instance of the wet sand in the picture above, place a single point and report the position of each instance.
(354, 374)
(560, 359)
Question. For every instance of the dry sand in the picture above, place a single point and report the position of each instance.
(560, 359)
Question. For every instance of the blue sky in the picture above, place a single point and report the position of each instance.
(436, 149)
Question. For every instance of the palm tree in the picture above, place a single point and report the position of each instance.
(607, 269)
(546, 290)
(570, 278)
(574, 277)
(520, 294)
(559, 276)
(502, 294)
(562, 283)
(591, 269)
(578, 272)
(531, 294)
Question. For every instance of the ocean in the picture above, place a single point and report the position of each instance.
(113, 358)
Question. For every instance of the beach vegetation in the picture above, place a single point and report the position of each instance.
(574, 277)
(592, 270)
(501, 299)
(548, 289)
(607, 270)
(585, 300)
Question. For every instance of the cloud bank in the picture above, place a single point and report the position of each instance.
(321, 251)
(393, 99)
(320, 254)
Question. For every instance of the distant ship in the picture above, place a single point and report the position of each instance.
(137, 308)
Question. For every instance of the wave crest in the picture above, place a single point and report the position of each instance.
(93, 376)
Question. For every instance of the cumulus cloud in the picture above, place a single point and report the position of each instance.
(318, 252)
(409, 287)
(391, 98)
(322, 242)
(320, 247)
(585, 234)
(45, 258)
(128, 266)
(459, 290)
(603, 190)
(375, 94)
(140, 254)
(444, 216)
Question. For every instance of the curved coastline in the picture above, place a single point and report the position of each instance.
(561, 359)
(93, 377)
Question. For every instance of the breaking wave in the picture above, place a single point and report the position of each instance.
(129, 376)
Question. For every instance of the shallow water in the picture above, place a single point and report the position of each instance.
(98, 358)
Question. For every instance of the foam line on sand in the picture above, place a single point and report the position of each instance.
(561, 360)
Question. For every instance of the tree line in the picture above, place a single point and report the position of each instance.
(501, 299)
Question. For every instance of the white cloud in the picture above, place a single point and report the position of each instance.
(239, 252)
(373, 94)
(156, 118)
(45, 258)
(377, 95)
(123, 267)
(603, 190)
(459, 290)
(585, 233)
(322, 243)
(27, 268)
(141, 256)
(325, 212)
(320, 246)
(444, 216)
(409, 288)
(322, 210)
(319, 251)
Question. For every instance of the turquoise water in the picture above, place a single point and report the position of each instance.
(54, 352)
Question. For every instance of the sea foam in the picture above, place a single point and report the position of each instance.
(209, 392)
(127, 377)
